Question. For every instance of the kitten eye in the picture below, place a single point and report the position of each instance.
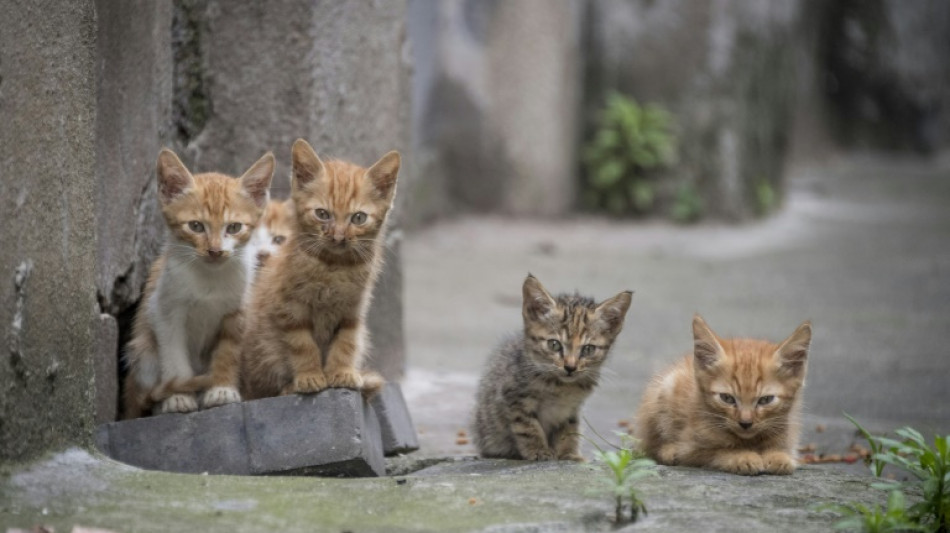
(728, 398)
(358, 218)
(278, 240)
(765, 400)
(322, 214)
(554, 345)
(234, 227)
(196, 226)
(587, 349)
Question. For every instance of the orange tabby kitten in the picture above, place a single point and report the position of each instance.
(189, 321)
(306, 317)
(733, 406)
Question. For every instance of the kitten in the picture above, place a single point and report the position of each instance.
(189, 321)
(733, 406)
(531, 392)
(306, 326)
(270, 235)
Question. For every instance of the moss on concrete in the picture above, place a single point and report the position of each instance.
(77, 488)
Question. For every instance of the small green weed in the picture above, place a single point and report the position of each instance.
(930, 468)
(624, 465)
(893, 519)
(631, 140)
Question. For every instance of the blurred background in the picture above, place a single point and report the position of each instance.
(759, 162)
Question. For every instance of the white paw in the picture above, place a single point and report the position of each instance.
(180, 403)
(217, 396)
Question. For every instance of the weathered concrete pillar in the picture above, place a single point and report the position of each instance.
(334, 73)
(134, 121)
(726, 71)
(48, 213)
(497, 98)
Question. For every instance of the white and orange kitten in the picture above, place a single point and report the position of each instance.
(188, 322)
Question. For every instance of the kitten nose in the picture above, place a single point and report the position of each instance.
(215, 253)
(569, 369)
(745, 425)
(262, 257)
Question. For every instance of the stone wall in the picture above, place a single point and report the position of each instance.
(48, 213)
(89, 92)
(496, 101)
(725, 69)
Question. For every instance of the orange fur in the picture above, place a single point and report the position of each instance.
(306, 314)
(733, 405)
(188, 321)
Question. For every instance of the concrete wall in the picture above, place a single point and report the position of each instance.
(89, 92)
(496, 103)
(48, 237)
(726, 69)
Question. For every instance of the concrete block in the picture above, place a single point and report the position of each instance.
(106, 368)
(398, 432)
(334, 433)
(210, 441)
(331, 433)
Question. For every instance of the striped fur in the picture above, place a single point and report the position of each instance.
(733, 405)
(529, 397)
(306, 314)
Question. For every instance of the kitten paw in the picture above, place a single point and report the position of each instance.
(345, 379)
(778, 462)
(217, 396)
(309, 383)
(540, 455)
(179, 403)
(744, 464)
(667, 455)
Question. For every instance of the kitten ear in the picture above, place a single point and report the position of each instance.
(792, 354)
(383, 175)
(306, 166)
(537, 303)
(706, 348)
(256, 181)
(612, 312)
(173, 178)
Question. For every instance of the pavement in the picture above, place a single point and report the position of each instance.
(861, 248)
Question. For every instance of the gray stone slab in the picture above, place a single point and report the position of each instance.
(334, 433)
(331, 433)
(398, 432)
(210, 441)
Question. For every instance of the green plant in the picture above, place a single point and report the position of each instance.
(893, 518)
(624, 465)
(630, 141)
(765, 197)
(930, 468)
(687, 205)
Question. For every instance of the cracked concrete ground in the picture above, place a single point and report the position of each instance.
(861, 249)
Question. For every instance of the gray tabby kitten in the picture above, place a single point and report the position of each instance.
(533, 386)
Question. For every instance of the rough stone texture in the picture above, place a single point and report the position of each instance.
(881, 71)
(106, 371)
(74, 488)
(212, 441)
(496, 97)
(398, 432)
(334, 73)
(133, 123)
(48, 315)
(333, 433)
(726, 71)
